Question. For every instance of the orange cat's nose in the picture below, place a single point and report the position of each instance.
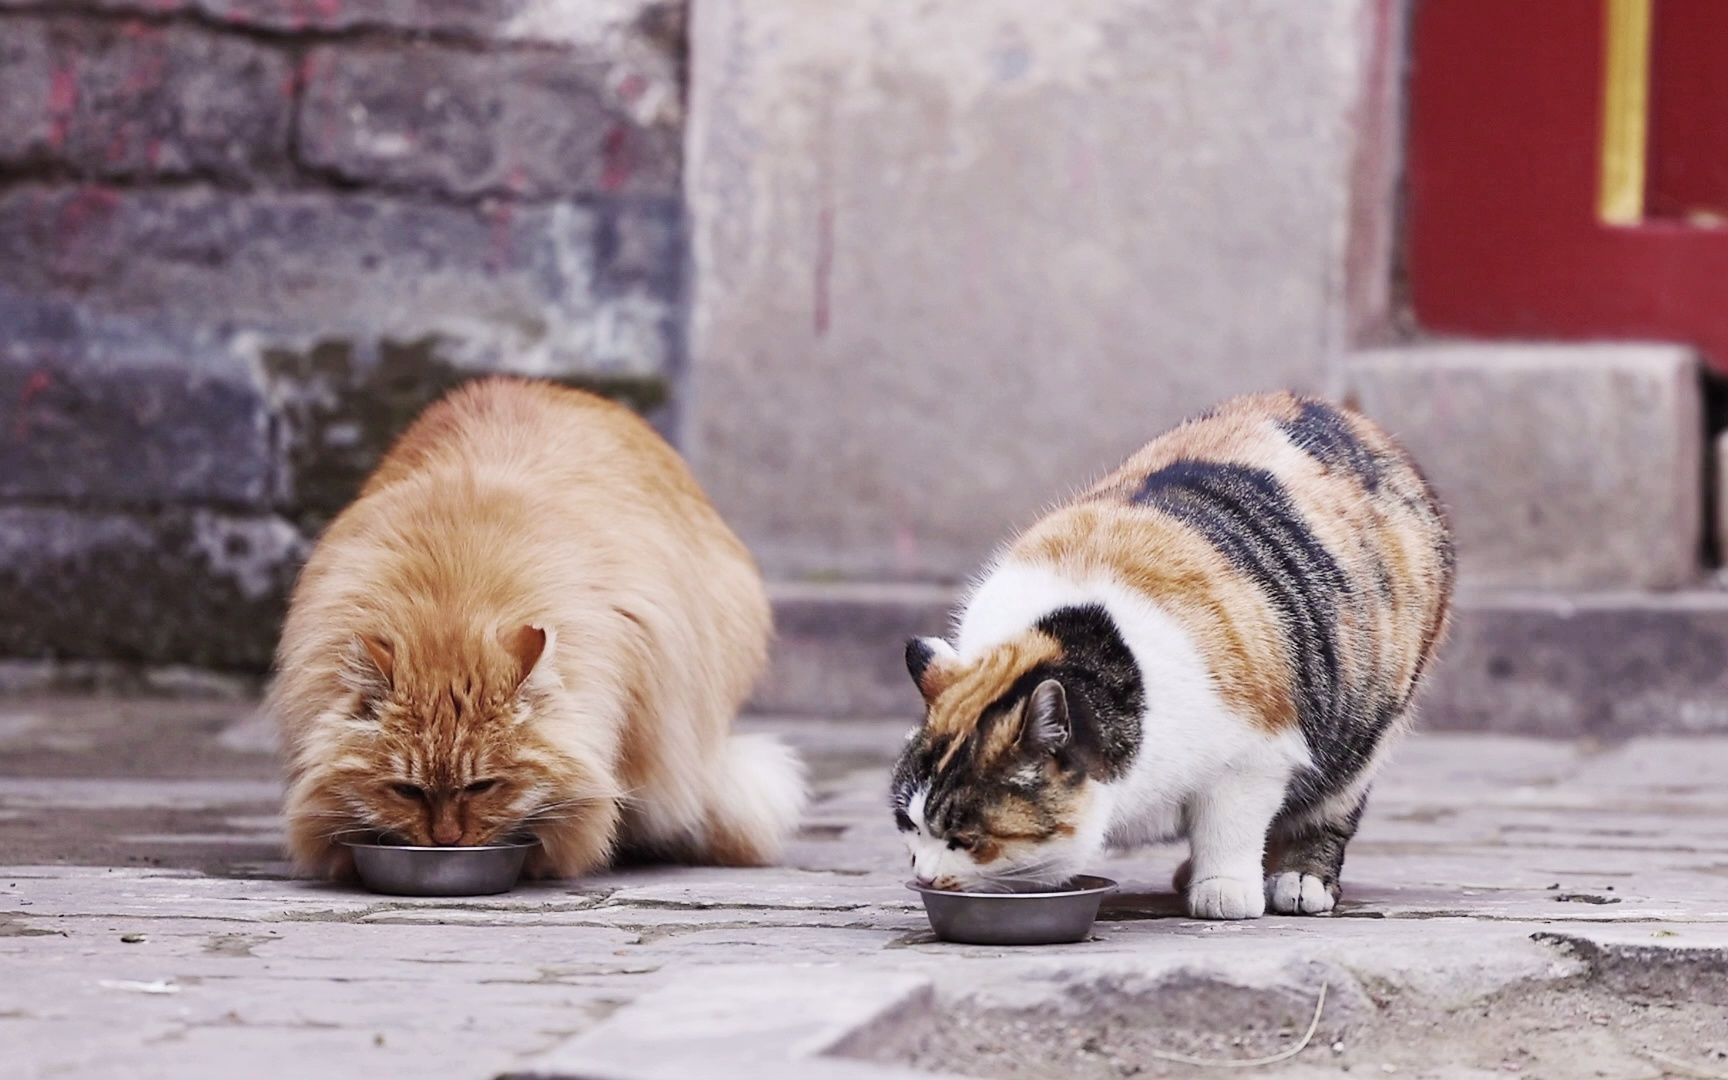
(446, 825)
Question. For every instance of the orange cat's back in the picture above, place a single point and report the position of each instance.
(518, 423)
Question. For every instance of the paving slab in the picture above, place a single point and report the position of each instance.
(149, 927)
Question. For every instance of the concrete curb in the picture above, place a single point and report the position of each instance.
(1612, 664)
(771, 1023)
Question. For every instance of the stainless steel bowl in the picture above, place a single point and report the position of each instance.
(406, 870)
(1015, 918)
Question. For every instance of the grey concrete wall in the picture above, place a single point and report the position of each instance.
(948, 266)
(243, 241)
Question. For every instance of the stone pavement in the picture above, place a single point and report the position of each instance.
(1543, 907)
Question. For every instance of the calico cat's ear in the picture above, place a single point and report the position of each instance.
(1046, 726)
(531, 648)
(370, 665)
(931, 663)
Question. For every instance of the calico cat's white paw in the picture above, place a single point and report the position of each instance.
(1226, 898)
(1293, 893)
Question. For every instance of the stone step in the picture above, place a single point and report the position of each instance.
(1564, 466)
(1607, 664)
(839, 647)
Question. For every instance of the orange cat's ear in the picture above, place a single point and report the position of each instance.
(531, 649)
(370, 665)
(933, 665)
(382, 653)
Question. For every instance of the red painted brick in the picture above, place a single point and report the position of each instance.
(114, 99)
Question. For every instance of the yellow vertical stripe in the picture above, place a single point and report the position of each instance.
(1625, 111)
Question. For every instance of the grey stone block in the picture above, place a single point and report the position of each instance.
(1563, 466)
(193, 587)
(502, 285)
(466, 123)
(639, 248)
(104, 99)
(838, 649)
(109, 678)
(1612, 665)
(115, 412)
(773, 1022)
(634, 49)
(949, 268)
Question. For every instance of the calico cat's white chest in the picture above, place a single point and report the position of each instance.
(1139, 822)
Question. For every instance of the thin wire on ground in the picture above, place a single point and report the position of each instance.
(1252, 1063)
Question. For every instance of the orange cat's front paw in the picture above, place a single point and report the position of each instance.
(334, 863)
(539, 866)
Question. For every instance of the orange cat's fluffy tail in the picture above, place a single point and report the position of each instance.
(756, 795)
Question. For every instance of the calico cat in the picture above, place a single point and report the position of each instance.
(1216, 641)
(531, 619)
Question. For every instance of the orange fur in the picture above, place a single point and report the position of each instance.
(530, 590)
(962, 694)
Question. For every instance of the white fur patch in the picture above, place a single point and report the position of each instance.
(940, 650)
(757, 791)
(1292, 893)
(1193, 748)
(1226, 898)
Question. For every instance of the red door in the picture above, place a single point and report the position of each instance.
(1569, 170)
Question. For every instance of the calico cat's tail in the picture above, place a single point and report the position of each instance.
(756, 795)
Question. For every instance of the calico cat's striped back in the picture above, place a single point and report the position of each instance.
(1298, 545)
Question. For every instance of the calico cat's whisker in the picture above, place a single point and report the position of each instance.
(1023, 876)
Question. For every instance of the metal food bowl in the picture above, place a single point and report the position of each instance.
(1015, 918)
(408, 870)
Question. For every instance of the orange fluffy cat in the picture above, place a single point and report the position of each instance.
(531, 620)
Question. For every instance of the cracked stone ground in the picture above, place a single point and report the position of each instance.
(1551, 908)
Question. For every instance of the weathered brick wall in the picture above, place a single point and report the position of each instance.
(242, 241)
